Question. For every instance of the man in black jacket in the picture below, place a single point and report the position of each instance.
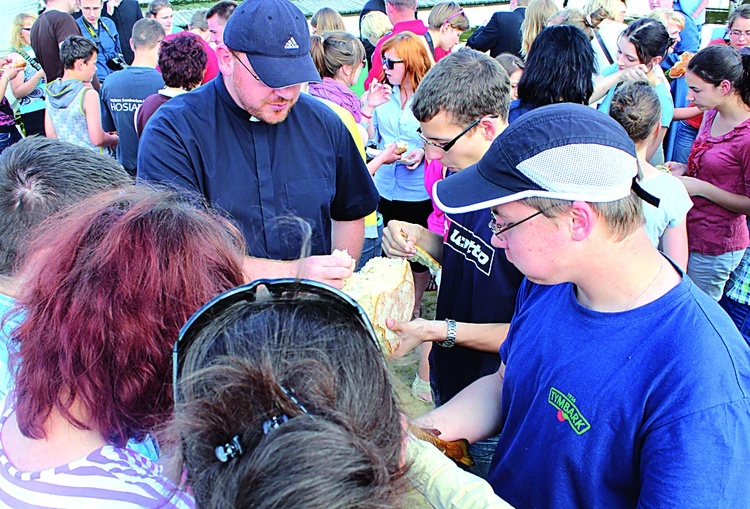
(124, 13)
(502, 34)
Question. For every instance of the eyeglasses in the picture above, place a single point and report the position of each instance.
(246, 67)
(389, 63)
(738, 33)
(287, 288)
(500, 228)
(445, 147)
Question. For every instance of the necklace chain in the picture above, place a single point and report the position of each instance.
(651, 285)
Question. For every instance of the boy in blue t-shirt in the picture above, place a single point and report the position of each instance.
(621, 384)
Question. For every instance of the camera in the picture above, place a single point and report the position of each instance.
(117, 63)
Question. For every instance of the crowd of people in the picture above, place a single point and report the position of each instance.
(173, 329)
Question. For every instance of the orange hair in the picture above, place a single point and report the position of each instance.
(412, 49)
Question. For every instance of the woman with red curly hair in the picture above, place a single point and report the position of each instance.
(106, 289)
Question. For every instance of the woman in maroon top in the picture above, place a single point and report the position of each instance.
(182, 61)
(718, 169)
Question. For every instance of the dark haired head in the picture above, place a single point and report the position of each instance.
(636, 107)
(718, 63)
(182, 61)
(467, 85)
(112, 280)
(559, 68)
(332, 50)
(40, 177)
(75, 48)
(223, 9)
(147, 33)
(343, 450)
(650, 38)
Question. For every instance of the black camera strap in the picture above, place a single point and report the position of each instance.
(33, 62)
(95, 35)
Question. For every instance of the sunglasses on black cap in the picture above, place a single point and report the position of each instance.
(259, 289)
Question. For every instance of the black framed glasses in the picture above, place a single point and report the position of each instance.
(257, 290)
(390, 64)
(246, 67)
(498, 228)
(445, 147)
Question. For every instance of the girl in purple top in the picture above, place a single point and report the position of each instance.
(718, 169)
(106, 288)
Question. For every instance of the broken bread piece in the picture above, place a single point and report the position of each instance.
(385, 289)
(401, 148)
(343, 253)
(424, 258)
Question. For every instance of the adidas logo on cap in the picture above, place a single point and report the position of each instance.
(291, 44)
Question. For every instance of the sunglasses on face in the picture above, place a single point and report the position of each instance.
(390, 64)
(287, 288)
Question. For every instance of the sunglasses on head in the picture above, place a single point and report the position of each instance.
(287, 288)
(390, 64)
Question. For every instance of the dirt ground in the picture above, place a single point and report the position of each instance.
(402, 374)
(404, 370)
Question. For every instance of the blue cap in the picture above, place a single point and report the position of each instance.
(275, 37)
(562, 151)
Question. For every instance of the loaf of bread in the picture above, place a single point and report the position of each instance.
(385, 289)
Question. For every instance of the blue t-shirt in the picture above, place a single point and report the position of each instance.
(263, 175)
(107, 41)
(478, 285)
(122, 94)
(643, 408)
(662, 92)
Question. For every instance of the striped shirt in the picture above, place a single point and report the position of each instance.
(110, 477)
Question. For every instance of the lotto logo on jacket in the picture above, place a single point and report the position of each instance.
(472, 247)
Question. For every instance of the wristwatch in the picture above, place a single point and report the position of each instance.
(450, 338)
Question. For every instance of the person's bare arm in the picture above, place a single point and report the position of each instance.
(602, 84)
(49, 128)
(685, 113)
(738, 203)
(484, 337)
(98, 136)
(349, 236)
(674, 242)
(327, 269)
(473, 414)
(395, 245)
(21, 88)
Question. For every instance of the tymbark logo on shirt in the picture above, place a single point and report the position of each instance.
(568, 411)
